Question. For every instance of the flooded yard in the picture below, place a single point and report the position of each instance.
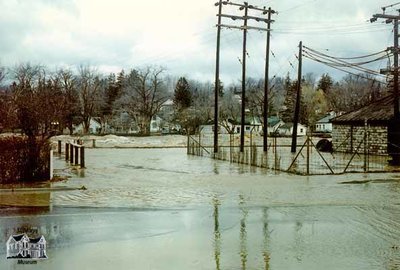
(162, 209)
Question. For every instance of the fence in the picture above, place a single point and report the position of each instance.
(307, 160)
(74, 152)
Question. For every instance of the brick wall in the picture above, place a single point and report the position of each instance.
(347, 138)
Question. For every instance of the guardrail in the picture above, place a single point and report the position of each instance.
(74, 152)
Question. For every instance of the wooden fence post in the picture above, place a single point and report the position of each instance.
(66, 151)
(82, 156)
(59, 147)
(71, 153)
(76, 154)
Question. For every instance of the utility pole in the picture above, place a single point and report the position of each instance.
(245, 27)
(243, 113)
(393, 136)
(297, 108)
(216, 91)
(266, 83)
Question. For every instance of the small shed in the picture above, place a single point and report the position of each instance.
(367, 123)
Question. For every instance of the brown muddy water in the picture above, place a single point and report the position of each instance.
(162, 209)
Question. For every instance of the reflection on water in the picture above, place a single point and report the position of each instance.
(266, 232)
(26, 199)
(163, 210)
(243, 244)
(243, 233)
(217, 236)
(239, 238)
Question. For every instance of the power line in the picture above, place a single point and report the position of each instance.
(339, 64)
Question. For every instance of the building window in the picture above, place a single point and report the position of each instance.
(301, 130)
(247, 128)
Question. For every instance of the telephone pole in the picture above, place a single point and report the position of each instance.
(393, 136)
(245, 27)
(266, 82)
(217, 90)
(297, 108)
(243, 112)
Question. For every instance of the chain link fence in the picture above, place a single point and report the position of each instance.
(308, 159)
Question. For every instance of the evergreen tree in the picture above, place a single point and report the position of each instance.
(289, 105)
(182, 94)
(325, 83)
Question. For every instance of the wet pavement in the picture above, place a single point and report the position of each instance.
(162, 209)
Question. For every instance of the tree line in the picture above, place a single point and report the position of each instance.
(42, 102)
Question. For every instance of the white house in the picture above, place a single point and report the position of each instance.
(209, 128)
(251, 125)
(21, 246)
(94, 127)
(287, 130)
(324, 124)
(273, 124)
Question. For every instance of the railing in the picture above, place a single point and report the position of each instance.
(74, 152)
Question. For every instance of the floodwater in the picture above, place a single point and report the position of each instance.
(162, 209)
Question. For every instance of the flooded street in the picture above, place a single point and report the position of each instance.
(162, 209)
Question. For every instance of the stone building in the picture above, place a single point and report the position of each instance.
(364, 128)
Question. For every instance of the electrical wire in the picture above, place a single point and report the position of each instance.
(341, 65)
(339, 62)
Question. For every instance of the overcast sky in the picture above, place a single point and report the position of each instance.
(180, 35)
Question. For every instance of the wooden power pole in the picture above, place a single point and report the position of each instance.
(217, 90)
(243, 111)
(298, 97)
(393, 136)
(246, 7)
(266, 83)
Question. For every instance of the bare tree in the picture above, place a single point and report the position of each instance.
(353, 92)
(229, 112)
(144, 95)
(67, 83)
(89, 95)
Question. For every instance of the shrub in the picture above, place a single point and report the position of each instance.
(24, 159)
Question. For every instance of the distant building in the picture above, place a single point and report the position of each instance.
(349, 128)
(21, 246)
(251, 125)
(287, 130)
(94, 127)
(274, 122)
(324, 124)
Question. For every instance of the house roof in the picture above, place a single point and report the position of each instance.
(35, 240)
(18, 237)
(326, 119)
(289, 125)
(378, 111)
(272, 121)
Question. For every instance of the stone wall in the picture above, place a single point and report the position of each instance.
(347, 138)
